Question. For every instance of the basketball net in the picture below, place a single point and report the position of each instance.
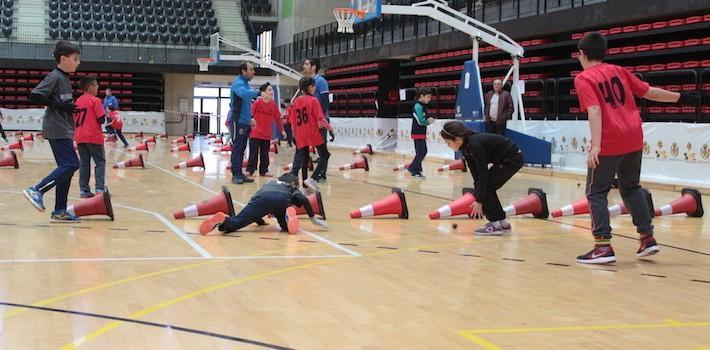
(204, 63)
(346, 18)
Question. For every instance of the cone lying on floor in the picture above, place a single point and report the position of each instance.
(30, 138)
(360, 163)
(458, 164)
(578, 207)
(404, 166)
(131, 163)
(150, 140)
(97, 205)
(316, 203)
(222, 202)
(690, 203)
(15, 145)
(224, 148)
(395, 204)
(185, 147)
(310, 165)
(461, 206)
(10, 160)
(365, 150)
(179, 140)
(274, 149)
(197, 162)
(139, 135)
(535, 203)
(621, 209)
(139, 147)
(245, 163)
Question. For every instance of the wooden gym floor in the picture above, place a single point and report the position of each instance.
(146, 281)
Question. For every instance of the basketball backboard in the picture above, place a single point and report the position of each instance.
(371, 9)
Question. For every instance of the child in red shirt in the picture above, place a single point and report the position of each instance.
(265, 112)
(115, 124)
(89, 138)
(607, 93)
(306, 118)
(286, 123)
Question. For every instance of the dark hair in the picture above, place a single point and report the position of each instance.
(593, 45)
(263, 87)
(304, 83)
(423, 91)
(243, 67)
(454, 129)
(289, 178)
(86, 81)
(64, 48)
(314, 62)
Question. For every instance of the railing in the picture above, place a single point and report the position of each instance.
(325, 41)
(251, 32)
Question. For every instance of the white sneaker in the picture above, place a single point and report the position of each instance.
(489, 230)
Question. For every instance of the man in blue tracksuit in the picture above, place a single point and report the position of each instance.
(110, 101)
(241, 97)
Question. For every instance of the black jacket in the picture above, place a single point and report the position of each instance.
(481, 149)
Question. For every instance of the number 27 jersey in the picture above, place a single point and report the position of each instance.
(306, 118)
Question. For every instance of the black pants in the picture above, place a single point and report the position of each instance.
(495, 128)
(289, 134)
(258, 149)
(118, 132)
(420, 151)
(67, 164)
(274, 203)
(2, 132)
(301, 160)
(498, 175)
(627, 168)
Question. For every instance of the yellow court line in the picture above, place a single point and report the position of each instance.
(115, 324)
(484, 344)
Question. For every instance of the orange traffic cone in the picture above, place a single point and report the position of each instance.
(461, 206)
(690, 203)
(273, 149)
(365, 150)
(182, 148)
(10, 160)
(395, 204)
(139, 135)
(97, 205)
(150, 140)
(578, 207)
(222, 202)
(621, 209)
(316, 203)
(190, 136)
(181, 139)
(16, 145)
(139, 147)
(131, 163)
(30, 138)
(360, 163)
(401, 167)
(458, 164)
(535, 203)
(224, 148)
(197, 162)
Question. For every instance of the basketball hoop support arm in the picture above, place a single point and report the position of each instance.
(440, 11)
(255, 57)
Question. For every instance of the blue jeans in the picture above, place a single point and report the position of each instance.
(67, 165)
(420, 151)
(274, 203)
(87, 152)
(239, 145)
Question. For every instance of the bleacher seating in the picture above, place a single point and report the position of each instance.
(146, 21)
(7, 13)
(258, 7)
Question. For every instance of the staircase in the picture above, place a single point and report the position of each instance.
(229, 13)
(31, 23)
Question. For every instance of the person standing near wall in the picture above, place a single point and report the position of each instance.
(498, 107)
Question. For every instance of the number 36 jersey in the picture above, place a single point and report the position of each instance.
(613, 88)
(87, 128)
(306, 118)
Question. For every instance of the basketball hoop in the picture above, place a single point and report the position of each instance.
(346, 18)
(204, 63)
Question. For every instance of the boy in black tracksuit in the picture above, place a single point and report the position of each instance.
(275, 198)
(419, 128)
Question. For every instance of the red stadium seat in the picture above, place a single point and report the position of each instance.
(675, 44)
(630, 69)
(689, 87)
(706, 18)
(692, 42)
(674, 87)
(628, 49)
(672, 110)
(646, 26)
(693, 19)
(629, 29)
(705, 87)
(577, 36)
(676, 22)
(674, 65)
(659, 46)
(604, 32)
(691, 64)
(655, 110)
(659, 25)
(706, 109)
(705, 63)
(642, 68)
(615, 30)
(643, 48)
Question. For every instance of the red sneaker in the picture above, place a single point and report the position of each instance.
(598, 255)
(212, 223)
(648, 247)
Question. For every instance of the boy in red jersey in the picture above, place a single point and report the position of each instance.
(306, 118)
(607, 93)
(115, 124)
(265, 111)
(88, 118)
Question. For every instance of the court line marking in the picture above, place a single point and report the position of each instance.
(198, 248)
(474, 335)
(311, 234)
(176, 258)
(113, 325)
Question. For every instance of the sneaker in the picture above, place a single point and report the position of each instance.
(86, 195)
(63, 217)
(267, 175)
(419, 176)
(322, 179)
(35, 198)
(212, 223)
(489, 230)
(311, 184)
(292, 220)
(598, 255)
(648, 247)
(247, 179)
(237, 180)
(506, 227)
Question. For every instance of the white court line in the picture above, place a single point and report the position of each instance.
(311, 234)
(198, 248)
(176, 258)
